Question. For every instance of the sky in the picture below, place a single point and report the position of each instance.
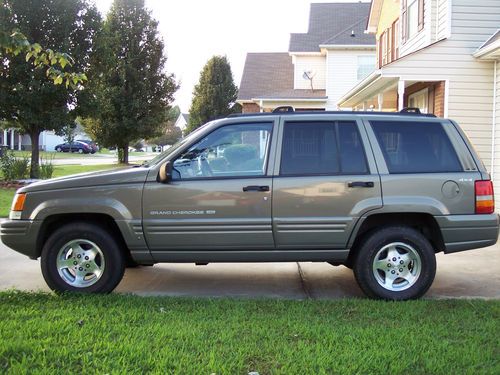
(196, 30)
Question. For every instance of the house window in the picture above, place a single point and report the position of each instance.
(366, 65)
(413, 18)
(395, 39)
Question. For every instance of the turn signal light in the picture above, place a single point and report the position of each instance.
(485, 199)
(18, 202)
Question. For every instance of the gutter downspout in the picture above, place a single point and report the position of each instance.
(493, 128)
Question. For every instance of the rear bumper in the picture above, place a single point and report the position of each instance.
(466, 232)
(21, 236)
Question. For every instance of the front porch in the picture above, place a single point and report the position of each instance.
(11, 138)
(393, 93)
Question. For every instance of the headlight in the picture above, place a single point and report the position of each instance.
(17, 206)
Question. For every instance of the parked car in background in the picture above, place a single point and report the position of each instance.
(92, 145)
(77, 146)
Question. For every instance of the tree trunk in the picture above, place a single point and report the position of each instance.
(35, 154)
(123, 154)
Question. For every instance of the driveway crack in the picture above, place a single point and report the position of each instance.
(303, 283)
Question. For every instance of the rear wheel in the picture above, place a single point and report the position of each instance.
(395, 263)
(81, 257)
(59, 149)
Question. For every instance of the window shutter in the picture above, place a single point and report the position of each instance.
(421, 6)
(404, 20)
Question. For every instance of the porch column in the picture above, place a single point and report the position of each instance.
(260, 105)
(401, 95)
(19, 139)
(380, 99)
(5, 137)
(12, 139)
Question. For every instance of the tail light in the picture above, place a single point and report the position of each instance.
(485, 199)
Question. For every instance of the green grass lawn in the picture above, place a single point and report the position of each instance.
(129, 334)
(6, 196)
(66, 170)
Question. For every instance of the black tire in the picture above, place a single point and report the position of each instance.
(374, 242)
(113, 257)
(58, 149)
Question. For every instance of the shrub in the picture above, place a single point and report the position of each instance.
(46, 168)
(14, 168)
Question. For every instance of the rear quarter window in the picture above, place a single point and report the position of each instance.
(416, 147)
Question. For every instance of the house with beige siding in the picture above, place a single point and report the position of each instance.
(320, 65)
(429, 56)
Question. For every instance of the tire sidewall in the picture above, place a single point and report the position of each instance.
(114, 262)
(369, 249)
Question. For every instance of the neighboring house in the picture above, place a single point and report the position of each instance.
(182, 121)
(319, 66)
(437, 55)
(47, 141)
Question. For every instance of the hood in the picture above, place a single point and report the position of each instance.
(110, 177)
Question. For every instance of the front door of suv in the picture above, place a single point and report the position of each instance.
(219, 196)
(326, 179)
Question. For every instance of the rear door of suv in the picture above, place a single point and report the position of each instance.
(325, 178)
(424, 164)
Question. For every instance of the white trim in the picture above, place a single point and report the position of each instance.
(319, 100)
(494, 120)
(401, 94)
(305, 54)
(261, 105)
(450, 17)
(446, 97)
(349, 46)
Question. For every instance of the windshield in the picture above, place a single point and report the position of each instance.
(177, 145)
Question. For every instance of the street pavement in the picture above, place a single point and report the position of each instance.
(470, 274)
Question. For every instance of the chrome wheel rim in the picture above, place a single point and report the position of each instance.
(397, 266)
(80, 263)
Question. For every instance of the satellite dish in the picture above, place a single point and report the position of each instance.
(309, 75)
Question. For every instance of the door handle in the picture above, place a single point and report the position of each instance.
(368, 184)
(256, 188)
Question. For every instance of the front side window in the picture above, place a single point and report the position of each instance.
(322, 148)
(416, 147)
(237, 150)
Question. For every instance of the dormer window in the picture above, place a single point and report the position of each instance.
(412, 15)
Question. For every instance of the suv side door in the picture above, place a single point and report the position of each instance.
(325, 179)
(220, 193)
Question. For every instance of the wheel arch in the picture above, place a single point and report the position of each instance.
(56, 221)
(425, 223)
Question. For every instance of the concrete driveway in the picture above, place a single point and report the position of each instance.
(471, 274)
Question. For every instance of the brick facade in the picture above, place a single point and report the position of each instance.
(435, 95)
(250, 108)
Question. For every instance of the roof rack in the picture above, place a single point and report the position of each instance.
(288, 110)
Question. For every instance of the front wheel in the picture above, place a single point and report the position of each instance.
(395, 263)
(81, 257)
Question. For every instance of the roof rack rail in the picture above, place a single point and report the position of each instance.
(284, 108)
(415, 110)
(368, 113)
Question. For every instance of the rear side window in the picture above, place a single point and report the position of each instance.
(322, 148)
(416, 147)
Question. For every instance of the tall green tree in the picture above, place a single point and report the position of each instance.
(29, 99)
(131, 89)
(214, 95)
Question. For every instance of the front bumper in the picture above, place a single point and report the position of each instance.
(21, 236)
(466, 232)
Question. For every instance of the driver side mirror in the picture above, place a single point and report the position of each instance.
(165, 173)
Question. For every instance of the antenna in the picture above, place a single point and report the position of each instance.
(309, 75)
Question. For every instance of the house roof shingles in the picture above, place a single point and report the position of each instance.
(332, 24)
(270, 76)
